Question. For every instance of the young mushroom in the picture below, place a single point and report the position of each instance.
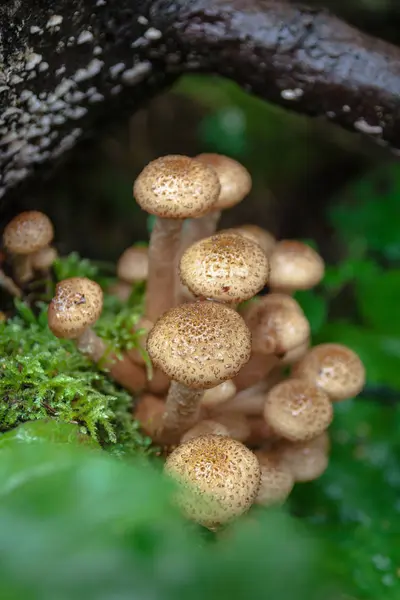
(198, 345)
(24, 236)
(225, 267)
(297, 410)
(205, 427)
(334, 368)
(276, 480)
(75, 307)
(132, 267)
(295, 266)
(218, 395)
(305, 460)
(278, 325)
(218, 479)
(257, 234)
(172, 188)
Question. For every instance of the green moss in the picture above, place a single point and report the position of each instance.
(42, 376)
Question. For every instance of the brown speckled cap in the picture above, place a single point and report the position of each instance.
(297, 410)
(219, 478)
(234, 178)
(200, 344)
(28, 232)
(261, 236)
(177, 187)
(334, 368)
(277, 325)
(133, 264)
(295, 266)
(76, 305)
(225, 267)
(276, 480)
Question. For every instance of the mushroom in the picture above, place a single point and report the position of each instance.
(276, 480)
(75, 307)
(250, 401)
(172, 188)
(295, 354)
(236, 183)
(237, 425)
(334, 368)
(132, 267)
(148, 412)
(219, 394)
(205, 427)
(24, 236)
(43, 259)
(297, 410)
(198, 345)
(305, 460)
(225, 267)
(218, 479)
(295, 266)
(257, 234)
(278, 325)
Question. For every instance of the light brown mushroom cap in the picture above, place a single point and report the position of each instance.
(334, 368)
(177, 187)
(295, 266)
(261, 236)
(305, 460)
(295, 354)
(234, 178)
(219, 478)
(28, 232)
(218, 394)
(276, 480)
(225, 267)
(133, 264)
(297, 410)
(200, 344)
(205, 427)
(276, 324)
(77, 304)
(237, 425)
(44, 258)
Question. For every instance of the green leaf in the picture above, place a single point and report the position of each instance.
(379, 353)
(314, 307)
(378, 301)
(78, 524)
(46, 430)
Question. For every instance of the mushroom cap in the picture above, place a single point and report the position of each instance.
(76, 305)
(334, 368)
(205, 427)
(261, 236)
(305, 460)
(219, 394)
(200, 344)
(237, 425)
(28, 232)
(295, 266)
(295, 354)
(133, 264)
(219, 478)
(276, 480)
(177, 187)
(234, 178)
(44, 258)
(226, 267)
(277, 324)
(297, 410)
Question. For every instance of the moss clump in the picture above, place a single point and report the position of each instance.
(42, 376)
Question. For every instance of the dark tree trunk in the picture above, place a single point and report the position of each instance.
(68, 67)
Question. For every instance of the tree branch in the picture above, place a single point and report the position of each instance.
(68, 67)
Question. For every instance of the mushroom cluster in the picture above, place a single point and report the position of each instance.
(239, 399)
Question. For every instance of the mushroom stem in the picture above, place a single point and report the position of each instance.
(163, 255)
(130, 376)
(23, 270)
(198, 229)
(182, 410)
(8, 284)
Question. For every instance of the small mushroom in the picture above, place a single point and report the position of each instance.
(132, 267)
(305, 460)
(276, 480)
(219, 394)
(218, 479)
(24, 236)
(205, 427)
(237, 425)
(75, 307)
(43, 259)
(278, 325)
(295, 266)
(250, 401)
(225, 267)
(172, 188)
(295, 354)
(148, 412)
(334, 368)
(198, 345)
(257, 234)
(297, 410)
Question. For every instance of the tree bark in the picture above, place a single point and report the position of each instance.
(69, 67)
